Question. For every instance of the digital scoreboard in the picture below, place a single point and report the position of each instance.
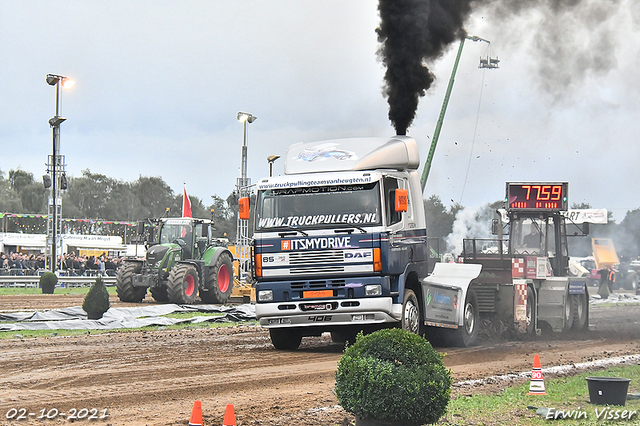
(537, 196)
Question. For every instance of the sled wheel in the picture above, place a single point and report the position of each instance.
(580, 312)
(568, 312)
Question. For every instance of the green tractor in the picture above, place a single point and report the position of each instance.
(184, 263)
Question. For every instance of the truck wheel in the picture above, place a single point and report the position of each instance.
(182, 286)
(285, 339)
(568, 312)
(344, 335)
(411, 315)
(124, 284)
(580, 312)
(159, 293)
(531, 312)
(468, 334)
(220, 283)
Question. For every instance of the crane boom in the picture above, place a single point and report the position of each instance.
(443, 110)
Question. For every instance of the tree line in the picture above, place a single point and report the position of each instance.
(97, 196)
(100, 197)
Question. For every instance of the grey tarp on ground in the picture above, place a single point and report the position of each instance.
(74, 318)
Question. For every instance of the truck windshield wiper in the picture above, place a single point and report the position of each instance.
(292, 231)
(349, 230)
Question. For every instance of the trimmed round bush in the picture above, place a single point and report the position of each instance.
(393, 375)
(96, 302)
(48, 282)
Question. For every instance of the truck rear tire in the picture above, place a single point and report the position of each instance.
(220, 282)
(467, 335)
(182, 286)
(124, 283)
(411, 314)
(344, 335)
(285, 339)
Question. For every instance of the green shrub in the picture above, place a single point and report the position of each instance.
(97, 299)
(395, 376)
(48, 282)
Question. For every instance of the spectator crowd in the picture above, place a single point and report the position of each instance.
(69, 264)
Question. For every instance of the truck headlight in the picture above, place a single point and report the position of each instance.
(373, 290)
(265, 295)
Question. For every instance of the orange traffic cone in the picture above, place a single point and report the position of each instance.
(196, 414)
(537, 381)
(229, 416)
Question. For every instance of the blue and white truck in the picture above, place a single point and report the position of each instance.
(340, 245)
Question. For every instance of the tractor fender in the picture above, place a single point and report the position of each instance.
(199, 265)
(212, 254)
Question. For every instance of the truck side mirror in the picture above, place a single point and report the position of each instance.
(243, 208)
(494, 227)
(401, 200)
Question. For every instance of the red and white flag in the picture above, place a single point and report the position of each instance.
(186, 204)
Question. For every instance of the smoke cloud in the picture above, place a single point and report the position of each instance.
(412, 32)
(572, 39)
(470, 223)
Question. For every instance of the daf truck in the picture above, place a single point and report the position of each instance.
(340, 245)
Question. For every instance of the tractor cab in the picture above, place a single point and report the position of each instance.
(192, 235)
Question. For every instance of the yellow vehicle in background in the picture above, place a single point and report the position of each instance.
(615, 271)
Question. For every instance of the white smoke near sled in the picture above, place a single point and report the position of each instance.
(470, 223)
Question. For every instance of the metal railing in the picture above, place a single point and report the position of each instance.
(32, 281)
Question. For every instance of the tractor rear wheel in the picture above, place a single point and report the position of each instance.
(124, 283)
(220, 282)
(182, 286)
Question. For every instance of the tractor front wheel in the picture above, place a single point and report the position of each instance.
(124, 283)
(182, 286)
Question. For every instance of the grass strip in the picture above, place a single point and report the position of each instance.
(569, 394)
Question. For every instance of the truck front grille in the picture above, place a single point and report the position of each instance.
(314, 257)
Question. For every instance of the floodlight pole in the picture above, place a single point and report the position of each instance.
(242, 188)
(56, 159)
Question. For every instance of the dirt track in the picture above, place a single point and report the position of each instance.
(153, 378)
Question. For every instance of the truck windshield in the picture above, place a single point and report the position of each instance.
(319, 207)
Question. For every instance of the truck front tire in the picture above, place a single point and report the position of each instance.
(411, 314)
(124, 284)
(285, 339)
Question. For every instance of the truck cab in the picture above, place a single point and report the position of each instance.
(340, 242)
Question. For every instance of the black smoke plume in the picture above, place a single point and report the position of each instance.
(574, 39)
(411, 33)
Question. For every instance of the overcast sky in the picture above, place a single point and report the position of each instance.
(159, 85)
